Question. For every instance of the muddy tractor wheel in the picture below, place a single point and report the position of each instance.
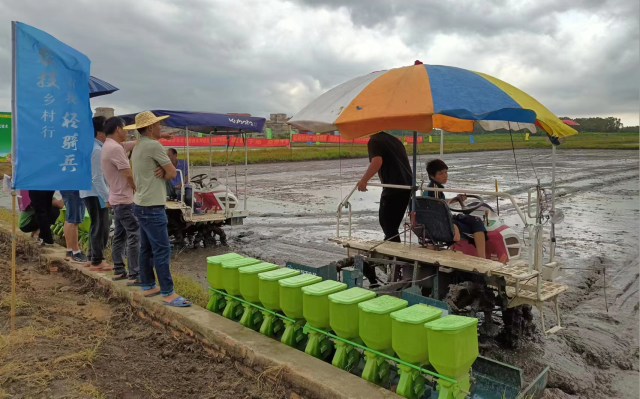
(469, 298)
(518, 324)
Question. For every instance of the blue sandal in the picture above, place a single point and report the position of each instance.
(179, 302)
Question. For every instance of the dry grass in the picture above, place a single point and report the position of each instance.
(272, 378)
(26, 335)
(90, 390)
(5, 215)
(41, 372)
(5, 302)
(5, 169)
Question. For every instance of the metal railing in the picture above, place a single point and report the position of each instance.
(346, 204)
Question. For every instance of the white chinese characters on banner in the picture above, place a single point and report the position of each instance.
(70, 142)
(69, 161)
(70, 119)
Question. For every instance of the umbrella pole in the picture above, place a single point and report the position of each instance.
(246, 169)
(552, 251)
(210, 161)
(415, 169)
(441, 143)
(188, 163)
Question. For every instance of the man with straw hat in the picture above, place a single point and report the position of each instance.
(149, 209)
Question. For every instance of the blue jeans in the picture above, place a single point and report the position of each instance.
(75, 207)
(155, 249)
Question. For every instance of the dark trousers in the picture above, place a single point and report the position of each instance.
(155, 249)
(41, 204)
(126, 235)
(99, 231)
(32, 226)
(392, 210)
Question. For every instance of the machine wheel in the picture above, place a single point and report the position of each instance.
(469, 298)
(518, 324)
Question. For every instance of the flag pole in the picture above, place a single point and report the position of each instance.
(13, 261)
(13, 172)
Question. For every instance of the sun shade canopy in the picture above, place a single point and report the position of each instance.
(422, 97)
(206, 122)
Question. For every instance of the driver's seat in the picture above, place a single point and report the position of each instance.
(433, 222)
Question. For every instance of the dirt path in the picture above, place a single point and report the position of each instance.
(73, 343)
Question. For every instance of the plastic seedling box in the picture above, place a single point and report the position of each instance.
(291, 294)
(343, 311)
(409, 336)
(214, 269)
(453, 344)
(230, 275)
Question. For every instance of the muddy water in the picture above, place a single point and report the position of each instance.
(596, 356)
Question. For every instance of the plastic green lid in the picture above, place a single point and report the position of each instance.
(417, 314)
(221, 258)
(300, 281)
(324, 288)
(352, 295)
(237, 263)
(279, 274)
(452, 323)
(383, 304)
(259, 268)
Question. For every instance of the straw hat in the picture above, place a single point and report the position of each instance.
(144, 119)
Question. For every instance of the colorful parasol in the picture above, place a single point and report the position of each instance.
(421, 97)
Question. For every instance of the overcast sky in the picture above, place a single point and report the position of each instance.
(577, 57)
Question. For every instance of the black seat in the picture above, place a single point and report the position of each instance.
(433, 222)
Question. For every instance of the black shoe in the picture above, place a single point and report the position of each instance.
(78, 258)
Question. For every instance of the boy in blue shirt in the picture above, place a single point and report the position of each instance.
(469, 225)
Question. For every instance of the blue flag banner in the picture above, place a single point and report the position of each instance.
(52, 127)
(471, 139)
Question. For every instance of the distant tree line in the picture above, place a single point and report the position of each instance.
(608, 125)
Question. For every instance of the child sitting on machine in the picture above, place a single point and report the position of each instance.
(469, 225)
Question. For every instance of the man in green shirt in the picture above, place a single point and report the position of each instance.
(151, 169)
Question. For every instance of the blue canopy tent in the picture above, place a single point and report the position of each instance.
(206, 122)
(98, 87)
(209, 123)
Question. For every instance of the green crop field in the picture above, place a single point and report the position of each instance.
(452, 143)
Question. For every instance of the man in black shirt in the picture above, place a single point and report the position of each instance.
(388, 158)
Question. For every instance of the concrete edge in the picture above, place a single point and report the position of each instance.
(304, 374)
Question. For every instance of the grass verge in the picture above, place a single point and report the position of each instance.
(189, 288)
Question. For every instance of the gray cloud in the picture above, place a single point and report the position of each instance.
(276, 56)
